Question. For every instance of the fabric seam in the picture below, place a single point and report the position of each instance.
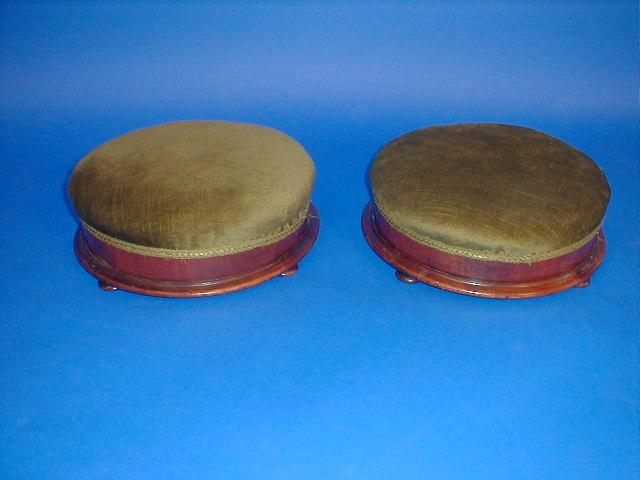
(484, 255)
(191, 254)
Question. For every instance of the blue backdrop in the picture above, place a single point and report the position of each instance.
(340, 372)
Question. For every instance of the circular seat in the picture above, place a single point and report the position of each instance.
(194, 189)
(194, 208)
(492, 192)
(488, 210)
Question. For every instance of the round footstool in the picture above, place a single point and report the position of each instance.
(194, 208)
(487, 210)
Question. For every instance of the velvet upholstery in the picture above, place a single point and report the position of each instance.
(194, 188)
(489, 191)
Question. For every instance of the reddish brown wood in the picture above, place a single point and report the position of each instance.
(107, 287)
(292, 271)
(480, 278)
(403, 277)
(169, 277)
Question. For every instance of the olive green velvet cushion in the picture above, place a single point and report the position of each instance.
(488, 191)
(196, 188)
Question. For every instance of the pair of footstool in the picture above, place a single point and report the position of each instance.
(199, 208)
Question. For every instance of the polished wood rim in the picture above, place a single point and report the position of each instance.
(168, 277)
(469, 276)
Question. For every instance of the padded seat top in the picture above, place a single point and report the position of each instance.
(195, 188)
(489, 191)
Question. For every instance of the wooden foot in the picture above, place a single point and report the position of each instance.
(403, 277)
(107, 287)
(292, 271)
(584, 283)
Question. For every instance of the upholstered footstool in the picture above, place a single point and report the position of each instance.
(487, 210)
(194, 208)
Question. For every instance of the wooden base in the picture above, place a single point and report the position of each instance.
(167, 277)
(417, 262)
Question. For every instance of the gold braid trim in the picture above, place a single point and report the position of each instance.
(486, 255)
(190, 254)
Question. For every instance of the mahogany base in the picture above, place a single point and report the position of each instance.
(418, 263)
(167, 277)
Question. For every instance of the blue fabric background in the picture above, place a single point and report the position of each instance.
(340, 372)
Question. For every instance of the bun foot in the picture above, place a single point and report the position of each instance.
(584, 283)
(403, 277)
(292, 271)
(107, 287)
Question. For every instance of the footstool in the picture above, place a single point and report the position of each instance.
(487, 210)
(194, 208)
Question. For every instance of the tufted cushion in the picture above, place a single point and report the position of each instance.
(196, 188)
(488, 191)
